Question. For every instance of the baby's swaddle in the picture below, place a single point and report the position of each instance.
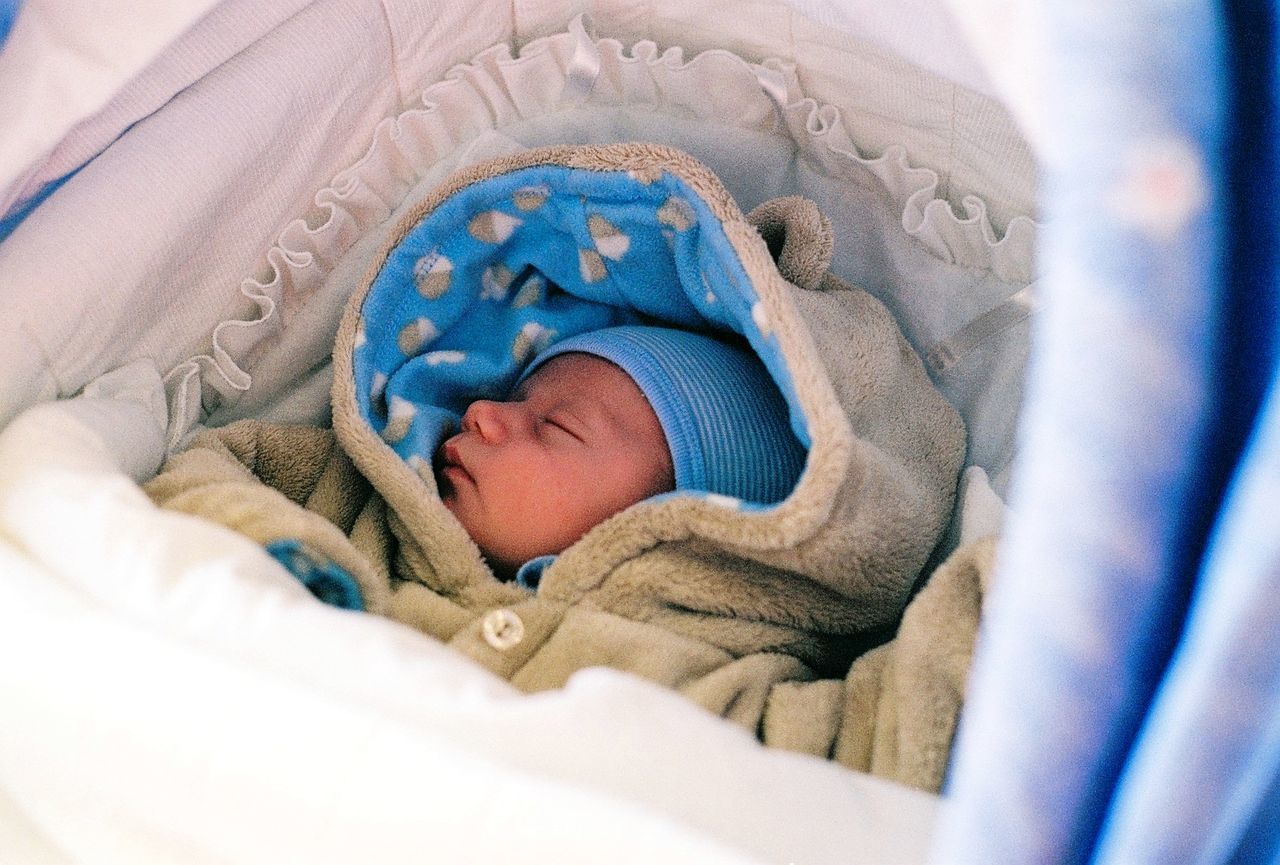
(732, 603)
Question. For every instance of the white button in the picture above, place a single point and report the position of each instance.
(502, 629)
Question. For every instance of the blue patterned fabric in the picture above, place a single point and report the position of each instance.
(510, 265)
(1125, 703)
(323, 577)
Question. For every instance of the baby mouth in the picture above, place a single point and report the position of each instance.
(448, 468)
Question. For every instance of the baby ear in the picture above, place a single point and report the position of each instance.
(798, 236)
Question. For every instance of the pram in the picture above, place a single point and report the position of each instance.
(176, 240)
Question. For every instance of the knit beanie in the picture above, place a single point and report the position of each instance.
(725, 420)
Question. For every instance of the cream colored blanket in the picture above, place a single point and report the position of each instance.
(764, 616)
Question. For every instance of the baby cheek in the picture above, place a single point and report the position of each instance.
(565, 496)
(534, 489)
(575, 505)
(638, 474)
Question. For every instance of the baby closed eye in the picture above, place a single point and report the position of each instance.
(565, 425)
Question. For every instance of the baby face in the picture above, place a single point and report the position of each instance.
(576, 443)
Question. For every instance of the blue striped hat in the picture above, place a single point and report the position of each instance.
(725, 420)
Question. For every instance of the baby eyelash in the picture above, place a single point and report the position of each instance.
(561, 426)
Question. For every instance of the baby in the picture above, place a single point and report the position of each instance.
(606, 419)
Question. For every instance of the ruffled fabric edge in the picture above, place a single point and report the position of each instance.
(571, 69)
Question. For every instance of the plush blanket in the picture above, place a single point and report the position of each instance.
(755, 611)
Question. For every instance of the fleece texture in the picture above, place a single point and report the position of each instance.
(755, 611)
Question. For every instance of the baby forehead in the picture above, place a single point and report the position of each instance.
(578, 374)
(582, 379)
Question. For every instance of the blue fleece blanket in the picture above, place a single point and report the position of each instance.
(507, 266)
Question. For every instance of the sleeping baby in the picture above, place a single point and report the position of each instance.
(604, 420)
(710, 463)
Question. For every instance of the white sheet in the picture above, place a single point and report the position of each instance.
(141, 252)
(236, 718)
(70, 84)
(63, 62)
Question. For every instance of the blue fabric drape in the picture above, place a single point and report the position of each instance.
(1125, 705)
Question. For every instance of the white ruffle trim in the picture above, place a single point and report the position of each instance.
(553, 74)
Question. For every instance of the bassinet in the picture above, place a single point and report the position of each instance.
(174, 244)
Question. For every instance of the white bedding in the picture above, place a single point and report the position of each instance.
(945, 275)
(76, 77)
(235, 718)
(284, 131)
(179, 697)
(62, 65)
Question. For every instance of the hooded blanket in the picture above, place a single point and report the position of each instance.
(755, 610)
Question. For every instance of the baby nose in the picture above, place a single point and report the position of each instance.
(494, 422)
